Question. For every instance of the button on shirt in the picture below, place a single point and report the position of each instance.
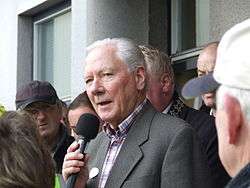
(117, 138)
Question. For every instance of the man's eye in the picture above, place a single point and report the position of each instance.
(88, 81)
(107, 74)
(32, 111)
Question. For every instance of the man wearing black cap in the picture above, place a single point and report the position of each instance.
(39, 99)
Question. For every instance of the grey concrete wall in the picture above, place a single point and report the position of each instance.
(145, 21)
(78, 44)
(117, 18)
(226, 13)
(95, 20)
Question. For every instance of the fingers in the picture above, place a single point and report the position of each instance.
(76, 155)
(73, 161)
(73, 147)
(83, 175)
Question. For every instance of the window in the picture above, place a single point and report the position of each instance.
(52, 51)
(189, 31)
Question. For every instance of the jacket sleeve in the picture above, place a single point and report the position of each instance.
(184, 164)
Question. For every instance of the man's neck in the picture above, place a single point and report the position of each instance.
(52, 141)
(165, 111)
(213, 112)
(115, 125)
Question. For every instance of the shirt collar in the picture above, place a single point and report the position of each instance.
(165, 111)
(124, 126)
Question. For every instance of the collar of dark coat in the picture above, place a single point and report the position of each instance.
(177, 106)
(241, 180)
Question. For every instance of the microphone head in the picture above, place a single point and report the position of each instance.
(87, 126)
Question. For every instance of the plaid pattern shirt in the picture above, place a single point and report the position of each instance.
(117, 138)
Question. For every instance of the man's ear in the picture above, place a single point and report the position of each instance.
(165, 82)
(234, 117)
(140, 78)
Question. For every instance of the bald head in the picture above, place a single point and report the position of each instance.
(207, 59)
(205, 64)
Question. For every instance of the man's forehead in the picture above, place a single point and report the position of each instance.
(207, 58)
(206, 63)
(103, 61)
(100, 52)
(39, 105)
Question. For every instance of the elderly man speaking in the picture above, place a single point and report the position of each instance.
(232, 70)
(139, 147)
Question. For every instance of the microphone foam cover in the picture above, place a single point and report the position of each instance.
(87, 126)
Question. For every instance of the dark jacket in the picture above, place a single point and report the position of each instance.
(205, 109)
(242, 179)
(61, 148)
(204, 125)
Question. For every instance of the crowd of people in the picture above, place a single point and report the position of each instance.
(148, 136)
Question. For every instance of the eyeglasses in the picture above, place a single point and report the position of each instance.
(40, 107)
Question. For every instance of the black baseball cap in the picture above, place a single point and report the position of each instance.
(200, 85)
(35, 91)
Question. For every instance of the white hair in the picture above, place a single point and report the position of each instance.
(126, 50)
(242, 95)
(157, 62)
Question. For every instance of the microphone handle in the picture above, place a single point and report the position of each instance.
(72, 178)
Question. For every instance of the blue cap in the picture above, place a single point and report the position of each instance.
(200, 85)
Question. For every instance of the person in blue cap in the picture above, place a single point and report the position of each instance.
(204, 86)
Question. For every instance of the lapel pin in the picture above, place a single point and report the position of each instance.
(93, 172)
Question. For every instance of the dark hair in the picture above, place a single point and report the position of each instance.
(24, 160)
(81, 100)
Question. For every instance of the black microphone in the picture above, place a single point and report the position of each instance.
(87, 129)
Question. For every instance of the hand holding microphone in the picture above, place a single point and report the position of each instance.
(87, 129)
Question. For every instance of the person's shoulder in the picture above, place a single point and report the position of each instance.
(168, 123)
(168, 118)
(204, 124)
(199, 116)
(166, 129)
(94, 144)
(205, 109)
(98, 139)
(66, 139)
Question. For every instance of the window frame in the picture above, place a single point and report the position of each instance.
(40, 19)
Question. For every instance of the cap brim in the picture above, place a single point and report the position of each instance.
(198, 86)
(24, 104)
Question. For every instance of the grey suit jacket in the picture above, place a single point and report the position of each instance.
(159, 151)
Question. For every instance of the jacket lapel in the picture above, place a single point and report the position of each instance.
(98, 162)
(131, 153)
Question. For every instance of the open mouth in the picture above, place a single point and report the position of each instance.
(42, 125)
(104, 103)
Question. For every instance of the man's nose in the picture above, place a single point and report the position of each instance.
(40, 115)
(97, 87)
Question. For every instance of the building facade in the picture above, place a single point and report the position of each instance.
(46, 39)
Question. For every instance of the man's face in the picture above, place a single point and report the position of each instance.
(47, 117)
(206, 65)
(111, 88)
(74, 115)
(158, 92)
